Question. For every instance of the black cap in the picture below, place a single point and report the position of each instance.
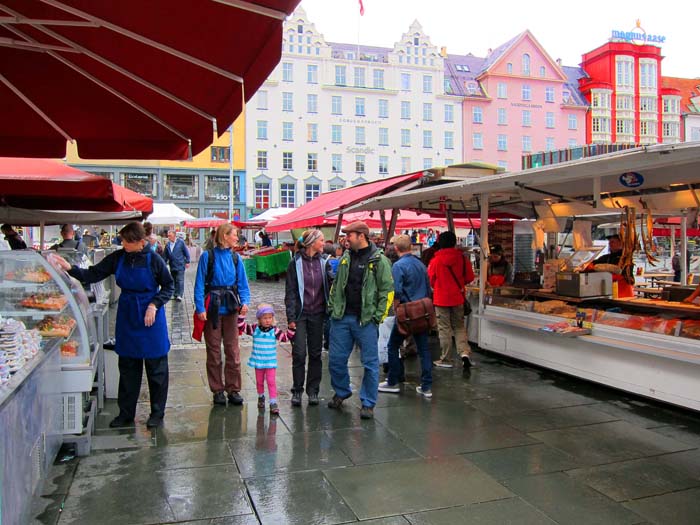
(496, 248)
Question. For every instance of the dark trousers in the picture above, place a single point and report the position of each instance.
(179, 278)
(307, 340)
(130, 374)
(396, 371)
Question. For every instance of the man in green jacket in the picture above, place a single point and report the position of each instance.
(359, 301)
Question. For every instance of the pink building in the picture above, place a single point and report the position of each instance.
(517, 100)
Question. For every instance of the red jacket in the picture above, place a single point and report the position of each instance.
(447, 292)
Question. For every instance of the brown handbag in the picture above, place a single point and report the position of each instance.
(415, 317)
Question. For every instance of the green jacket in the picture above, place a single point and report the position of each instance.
(377, 288)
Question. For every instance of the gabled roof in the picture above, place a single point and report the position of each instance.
(497, 53)
(572, 76)
(689, 88)
(460, 69)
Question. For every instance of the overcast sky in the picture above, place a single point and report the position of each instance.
(566, 30)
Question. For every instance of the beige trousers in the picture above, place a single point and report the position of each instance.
(451, 324)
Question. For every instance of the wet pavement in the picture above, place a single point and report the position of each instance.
(503, 443)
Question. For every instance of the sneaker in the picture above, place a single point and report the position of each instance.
(313, 399)
(336, 402)
(274, 409)
(425, 393)
(119, 421)
(467, 361)
(389, 389)
(154, 422)
(367, 413)
(261, 401)
(220, 398)
(235, 398)
(442, 364)
(296, 399)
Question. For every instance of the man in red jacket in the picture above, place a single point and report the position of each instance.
(449, 273)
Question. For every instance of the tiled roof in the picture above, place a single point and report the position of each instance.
(689, 87)
(462, 69)
(572, 76)
(498, 52)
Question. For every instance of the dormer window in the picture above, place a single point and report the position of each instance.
(526, 65)
(416, 42)
(300, 29)
(509, 68)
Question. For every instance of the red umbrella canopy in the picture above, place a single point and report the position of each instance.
(130, 79)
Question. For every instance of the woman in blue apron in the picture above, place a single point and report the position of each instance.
(141, 330)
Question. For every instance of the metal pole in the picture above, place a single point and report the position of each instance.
(684, 248)
(484, 248)
(230, 174)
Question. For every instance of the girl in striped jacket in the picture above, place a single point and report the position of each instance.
(264, 355)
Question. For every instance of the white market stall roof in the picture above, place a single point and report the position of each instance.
(271, 214)
(168, 213)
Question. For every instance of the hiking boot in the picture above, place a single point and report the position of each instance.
(389, 389)
(154, 422)
(296, 399)
(442, 364)
(235, 398)
(313, 399)
(336, 402)
(467, 361)
(427, 393)
(367, 413)
(220, 398)
(119, 421)
(261, 401)
(274, 409)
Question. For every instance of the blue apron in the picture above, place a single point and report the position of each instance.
(133, 338)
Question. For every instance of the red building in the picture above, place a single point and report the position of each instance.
(629, 104)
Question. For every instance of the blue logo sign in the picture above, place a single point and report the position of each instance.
(631, 179)
(638, 36)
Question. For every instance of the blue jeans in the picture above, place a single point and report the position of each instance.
(345, 333)
(179, 278)
(396, 365)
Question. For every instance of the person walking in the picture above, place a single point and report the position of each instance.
(450, 271)
(221, 292)
(411, 283)
(141, 334)
(306, 299)
(360, 298)
(263, 358)
(177, 256)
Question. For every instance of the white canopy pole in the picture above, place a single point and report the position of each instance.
(484, 249)
(684, 248)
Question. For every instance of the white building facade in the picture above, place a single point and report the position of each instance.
(335, 115)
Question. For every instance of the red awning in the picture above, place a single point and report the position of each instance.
(666, 232)
(130, 78)
(42, 184)
(313, 213)
(207, 222)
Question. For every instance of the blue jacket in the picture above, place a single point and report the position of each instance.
(224, 275)
(410, 279)
(178, 257)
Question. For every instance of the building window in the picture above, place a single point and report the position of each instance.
(624, 72)
(336, 163)
(526, 65)
(427, 83)
(383, 108)
(449, 113)
(502, 116)
(647, 104)
(383, 136)
(336, 185)
(378, 79)
(670, 129)
(312, 161)
(360, 138)
(405, 82)
(647, 75)
(340, 76)
(543, 71)
(477, 141)
(527, 143)
(288, 197)
(502, 143)
(360, 77)
(311, 191)
(287, 101)
(503, 164)
(549, 143)
(383, 164)
(549, 94)
(216, 188)
(571, 143)
(359, 163)
(477, 115)
(312, 132)
(427, 164)
(427, 138)
(287, 131)
(359, 106)
(312, 74)
(262, 195)
(427, 111)
(287, 161)
(336, 134)
(624, 102)
(526, 93)
(337, 105)
(549, 119)
(600, 99)
(261, 98)
(181, 187)
(405, 164)
(405, 137)
(502, 90)
(449, 139)
(405, 109)
(625, 127)
(287, 72)
(527, 118)
(262, 130)
(262, 160)
(449, 162)
(312, 103)
(647, 128)
(220, 154)
(447, 86)
(600, 125)
(509, 68)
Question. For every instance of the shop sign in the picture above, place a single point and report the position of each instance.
(638, 36)
(631, 179)
(362, 151)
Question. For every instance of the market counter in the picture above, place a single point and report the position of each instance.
(273, 264)
(251, 268)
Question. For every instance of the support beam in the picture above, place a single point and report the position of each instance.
(338, 227)
(684, 247)
(483, 253)
(394, 217)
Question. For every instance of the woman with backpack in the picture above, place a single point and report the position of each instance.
(221, 293)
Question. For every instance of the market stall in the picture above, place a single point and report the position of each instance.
(640, 345)
(271, 263)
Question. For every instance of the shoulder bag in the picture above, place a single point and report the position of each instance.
(467, 306)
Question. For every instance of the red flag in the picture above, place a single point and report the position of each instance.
(362, 8)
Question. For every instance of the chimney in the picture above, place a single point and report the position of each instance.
(443, 52)
(559, 62)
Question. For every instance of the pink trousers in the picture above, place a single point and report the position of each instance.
(266, 375)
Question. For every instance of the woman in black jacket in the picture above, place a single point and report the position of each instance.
(305, 299)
